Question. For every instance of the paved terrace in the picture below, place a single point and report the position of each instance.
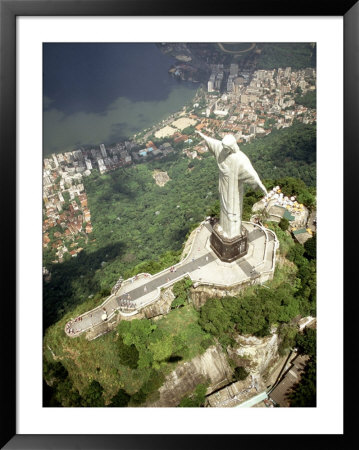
(201, 265)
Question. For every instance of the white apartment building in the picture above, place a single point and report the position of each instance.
(88, 164)
(103, 151)
(101, 166)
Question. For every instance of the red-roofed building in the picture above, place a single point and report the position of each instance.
(87, 215)
(200, 126)
(151, 144)
(45, 239)
(89, 228)
(181, 138)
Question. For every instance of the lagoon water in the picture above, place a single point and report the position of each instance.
(105, 92)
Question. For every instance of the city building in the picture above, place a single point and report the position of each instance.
(103, 151)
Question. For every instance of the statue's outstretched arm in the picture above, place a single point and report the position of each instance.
(213, 144)
(262, 187)
(256, 182)
(250, 176)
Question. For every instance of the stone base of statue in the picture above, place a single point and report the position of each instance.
(229, 249)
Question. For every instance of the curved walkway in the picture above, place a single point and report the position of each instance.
(201, 265)
(235, 52)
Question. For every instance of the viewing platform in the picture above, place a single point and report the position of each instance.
(201, 265)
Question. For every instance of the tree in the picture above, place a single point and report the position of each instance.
(54, 372)
(269, 123)
(304, 393)
(214, 318)
(307, 199)
(49, 396)
(215, 209)
(66, 196)
(121, 399)
(189, 130)
(68, 395)
(136, 331)
(154, 380)
(92, 395)
(284, 224)
(181, 291)
(240, 373)
(263, 215)
(161, 350)
(308, 99)
(307, 342)
(310, 247)
(287, 334)
(295, 254)
(62, 391)
(138, 398)
(265, 331)
(128, 354)
(197, 399)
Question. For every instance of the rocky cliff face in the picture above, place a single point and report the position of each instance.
(200, 294)
(258, 355)
(161, 307)
(211, 365)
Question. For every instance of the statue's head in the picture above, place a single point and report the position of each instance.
(230, 144)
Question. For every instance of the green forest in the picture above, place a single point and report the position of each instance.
(304, 393)
(309, 99)
(290, 152)
(131, 362)
(294, 55)
(265, 56)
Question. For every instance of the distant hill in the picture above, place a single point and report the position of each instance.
(288, 152)
(259, 56)
(294, 55)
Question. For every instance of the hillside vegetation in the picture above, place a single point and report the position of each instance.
(296, 56)
(126, 367)
(134, 359)
(289, 152)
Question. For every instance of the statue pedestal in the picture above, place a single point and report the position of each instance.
(229, 249)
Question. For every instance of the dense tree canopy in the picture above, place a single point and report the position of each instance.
(304, 393)
(296, 56)
(309, 99)
(195, 400)
(290, 152)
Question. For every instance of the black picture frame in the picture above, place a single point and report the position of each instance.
(9, 10)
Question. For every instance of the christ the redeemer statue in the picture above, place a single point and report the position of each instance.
(235, 169)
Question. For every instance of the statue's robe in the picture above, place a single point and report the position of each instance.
(235, 169)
